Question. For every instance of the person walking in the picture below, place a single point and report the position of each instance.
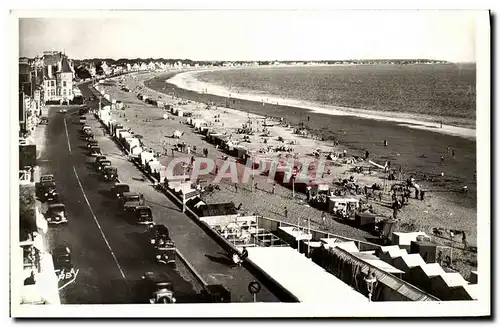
(453, 153)
(286, 212)
(442, 160)
(323, 218)
(464, 240)
(274, 188)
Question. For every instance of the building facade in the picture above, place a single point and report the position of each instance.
(58, 78)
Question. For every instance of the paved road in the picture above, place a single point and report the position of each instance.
(109, 253)
(207, 256)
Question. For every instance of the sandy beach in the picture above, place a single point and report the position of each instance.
(188, 80)
(156, 125)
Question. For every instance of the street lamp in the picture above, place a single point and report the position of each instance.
(370, 281)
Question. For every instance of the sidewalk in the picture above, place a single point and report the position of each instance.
(199, 249)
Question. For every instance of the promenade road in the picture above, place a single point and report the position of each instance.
(109, 253)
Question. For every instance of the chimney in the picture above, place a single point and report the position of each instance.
(49, 71)
(59, 65)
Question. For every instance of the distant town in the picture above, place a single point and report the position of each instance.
(87, 68)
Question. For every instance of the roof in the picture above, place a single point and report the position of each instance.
(52, 59)
(432, 269)
(56, 205)
(125, 194)
(217, 209)
(376, 262)
(65, 66)
(288, 267)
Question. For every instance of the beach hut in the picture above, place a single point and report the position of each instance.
(189, 121)
(239, 152)
(346, 205)
(177, 134)
(198, 123)
(145, 157)
(160, 104)
(180, 113)
(135, 150)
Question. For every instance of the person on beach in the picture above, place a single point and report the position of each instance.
(464, 240)
(274, 188)
(385, 142)
(442, 160)
(367, 154)
(453, 153)
(236, 187)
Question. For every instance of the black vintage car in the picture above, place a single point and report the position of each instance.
(110, 173)
(44, 121)
(56, 214)
(158, 233)
(103, 164)
(92, 143)
(46, 191)
(157, 288)
(98, 159)
(61, 256)
(83, 111)
(95, 151)
(119, 188)
(142, 215)
(132, 199)
(165, 253)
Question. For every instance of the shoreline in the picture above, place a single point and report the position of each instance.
(188, 80)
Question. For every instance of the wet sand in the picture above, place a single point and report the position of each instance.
(416, 151)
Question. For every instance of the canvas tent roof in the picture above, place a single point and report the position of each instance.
(217, 209)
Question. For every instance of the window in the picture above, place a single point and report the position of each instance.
(52, 83)
(64, 83)
(69, 92)
(64, 92)
(53, 92)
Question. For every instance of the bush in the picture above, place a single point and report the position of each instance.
(27, 221)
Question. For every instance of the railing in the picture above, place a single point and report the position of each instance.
(272, 225)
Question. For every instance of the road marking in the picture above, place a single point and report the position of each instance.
(99, 226)
(67, 136)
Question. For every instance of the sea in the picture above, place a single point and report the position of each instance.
(443, 91)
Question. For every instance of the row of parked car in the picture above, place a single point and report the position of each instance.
(132, 208)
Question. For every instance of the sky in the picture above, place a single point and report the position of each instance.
(254, 35)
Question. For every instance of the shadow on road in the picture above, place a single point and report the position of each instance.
(222, 260)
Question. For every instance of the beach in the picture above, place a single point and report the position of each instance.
(441, 209)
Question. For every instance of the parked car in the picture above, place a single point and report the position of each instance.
(142, 215)
(56, 214)
(110, 173)
(102, 164)
(158, 288)
(119, 188)
(92, 143)
(63, 111)
(129, 201)
(83, 119)
(61, 256)
(47, 178)
(98, 160)
(44, 120)
(158, 233)
(95, 151)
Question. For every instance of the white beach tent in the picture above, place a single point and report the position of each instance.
(177, 134)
